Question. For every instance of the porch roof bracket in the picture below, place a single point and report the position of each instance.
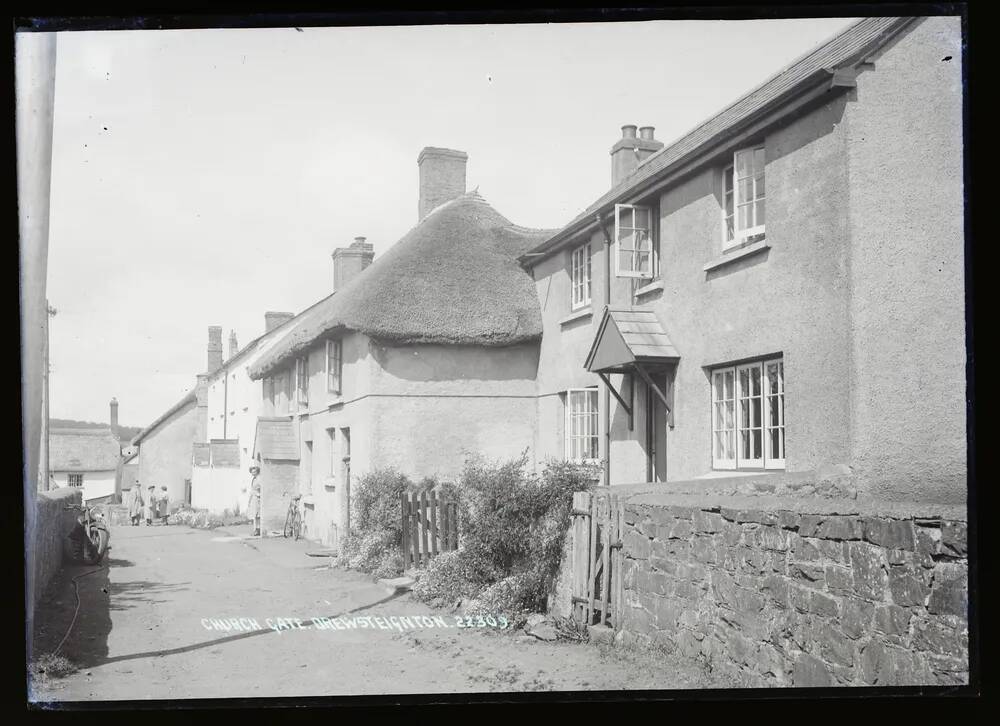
(628, 408)
(652, 384)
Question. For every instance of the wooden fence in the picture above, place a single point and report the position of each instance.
(597, 528)
(430, 527)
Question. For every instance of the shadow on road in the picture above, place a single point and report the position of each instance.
(127, 595)
(231, 638)
(85, 628)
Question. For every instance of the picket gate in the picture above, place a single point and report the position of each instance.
(430, 526)
(597, 527)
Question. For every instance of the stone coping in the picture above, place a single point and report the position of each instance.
(805, 505)
(830, 491)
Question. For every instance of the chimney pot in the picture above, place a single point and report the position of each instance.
(273, 319)
(442, 177)
(350, 261)
(233, 345)
(629, 151)
(114, 413)
(214, 347)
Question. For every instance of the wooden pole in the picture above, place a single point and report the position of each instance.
(434, 528)
(404, 541)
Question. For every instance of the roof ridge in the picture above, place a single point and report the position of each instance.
(781, 71)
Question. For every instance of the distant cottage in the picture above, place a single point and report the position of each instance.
(427, 355)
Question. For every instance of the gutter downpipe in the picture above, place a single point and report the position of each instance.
(607, 394)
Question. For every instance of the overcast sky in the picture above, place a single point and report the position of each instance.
(202, 177)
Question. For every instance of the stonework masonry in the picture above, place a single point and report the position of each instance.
(784, 597)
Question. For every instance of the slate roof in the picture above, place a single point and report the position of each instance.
(189, 399)
(201, 454)
(452, 279)
(847, 47)
(276, 439)
(225, 452)
(641, 333)
(83, 449)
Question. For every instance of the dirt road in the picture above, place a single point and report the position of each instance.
(146, 631)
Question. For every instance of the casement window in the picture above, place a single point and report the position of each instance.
(331, 439)
(334, 365)
(74, 480)
(748, 416)
(635, 248)
(302, 380)
(743, 194)
(582, 435)
(580, 274)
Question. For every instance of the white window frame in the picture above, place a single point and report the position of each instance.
(741, 235)
(742, 398)
(580, 277)
(337, 347)
(777, 426)
(591, 427)
(302, 380)
(70, 478)
(625, 236)
(331, 440)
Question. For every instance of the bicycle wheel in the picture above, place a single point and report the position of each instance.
(297, 525)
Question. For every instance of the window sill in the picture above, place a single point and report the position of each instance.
(330, 483)
(737, 254)
(578, 315)
(654, 286)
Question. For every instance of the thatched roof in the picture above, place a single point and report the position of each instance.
(83, 449)
(453, 279)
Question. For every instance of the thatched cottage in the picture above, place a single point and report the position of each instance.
(86, 458)
(425, 355)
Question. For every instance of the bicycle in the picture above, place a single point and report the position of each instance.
(293, 519)
(89, 539)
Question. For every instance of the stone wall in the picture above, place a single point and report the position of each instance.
(804, 592)
(52, 523)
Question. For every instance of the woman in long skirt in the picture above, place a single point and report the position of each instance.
(135, 504)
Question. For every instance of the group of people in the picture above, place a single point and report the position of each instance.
(150, 506)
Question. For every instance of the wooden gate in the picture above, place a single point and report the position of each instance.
(598, 525)
(430, 526)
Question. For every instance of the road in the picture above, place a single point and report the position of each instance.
(145, 631)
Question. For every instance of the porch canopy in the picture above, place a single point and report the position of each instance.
(632, 341)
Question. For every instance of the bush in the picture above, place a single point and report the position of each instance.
(376, 529)
(512, 529)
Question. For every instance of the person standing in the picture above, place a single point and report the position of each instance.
(253, 505)
(135, 504)
(164, 504)
(150, 505)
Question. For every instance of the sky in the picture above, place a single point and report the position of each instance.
(203, 177)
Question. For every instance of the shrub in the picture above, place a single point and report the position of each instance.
(376, 529)
(389, 565)
(512, 529)
(448, 578)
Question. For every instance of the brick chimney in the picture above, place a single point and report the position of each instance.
(629, 151)
(233, 346)
(272, 320)
(214, 347)
(114, 414)
(349, 261)
(442, 177)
